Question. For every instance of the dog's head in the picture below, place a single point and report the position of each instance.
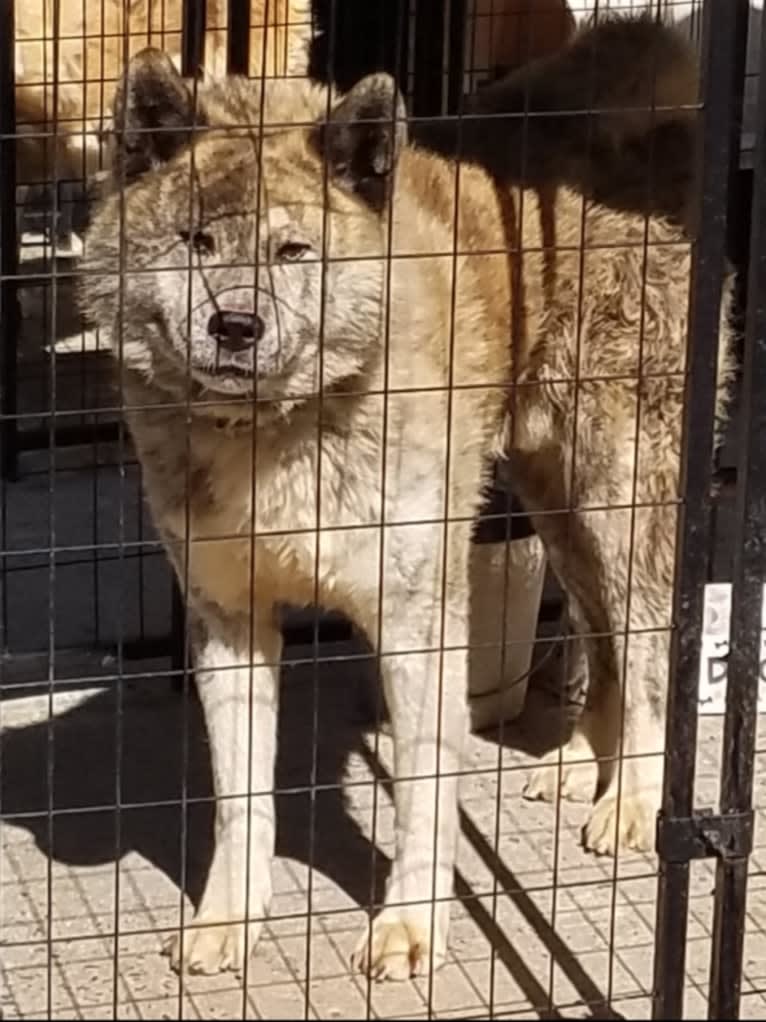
(240, 248)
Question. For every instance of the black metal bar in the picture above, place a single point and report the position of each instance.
(705, 835)
(739, 738)
(502, 516)
(176, 641)
(737, 200)
(177, 630)
(721, 59)
(440, 27)
(193, 37)
(194, 13)
(369, 36)
(9, 307)
(37, 439)
(333, 628)
(728, 938)
(456, 66)
(238, 35)
(428, 84)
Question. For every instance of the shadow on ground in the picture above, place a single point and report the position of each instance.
(146, 745)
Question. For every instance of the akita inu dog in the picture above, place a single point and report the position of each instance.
(324, 334)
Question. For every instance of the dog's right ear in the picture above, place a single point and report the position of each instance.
(154, 113)
(364, 137)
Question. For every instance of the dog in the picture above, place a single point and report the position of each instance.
(610, 111)
(318, 327)
(613, 114)
(62, 117)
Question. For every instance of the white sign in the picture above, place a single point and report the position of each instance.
(715, 650)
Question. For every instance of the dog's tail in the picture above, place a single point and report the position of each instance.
(612, 114)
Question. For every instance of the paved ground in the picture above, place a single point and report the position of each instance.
(541, 927)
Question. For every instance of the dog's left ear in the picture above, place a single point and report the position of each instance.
(363, 138)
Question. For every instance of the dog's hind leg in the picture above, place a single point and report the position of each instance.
(637, 587)
(616, 566)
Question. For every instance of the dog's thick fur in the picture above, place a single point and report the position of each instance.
(62, 124)
(342, 459)
(612, 114)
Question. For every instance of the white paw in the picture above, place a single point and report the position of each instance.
(397, 945)
(632, 827)
(211, 948)
(573, 781)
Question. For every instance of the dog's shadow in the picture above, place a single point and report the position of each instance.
(142, 745)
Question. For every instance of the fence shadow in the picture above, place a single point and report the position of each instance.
(142, 744)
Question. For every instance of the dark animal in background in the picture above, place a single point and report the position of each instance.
(611, 115)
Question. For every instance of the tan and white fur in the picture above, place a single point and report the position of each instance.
(316, 383)
(70, 54)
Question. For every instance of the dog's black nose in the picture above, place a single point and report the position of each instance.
(235, 331)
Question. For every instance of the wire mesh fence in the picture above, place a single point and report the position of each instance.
(381, 509)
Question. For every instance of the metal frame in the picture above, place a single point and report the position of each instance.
(9, 309)
(682, 834)
(739, 741)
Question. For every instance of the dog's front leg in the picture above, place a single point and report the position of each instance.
(426, 694)
(237, 681)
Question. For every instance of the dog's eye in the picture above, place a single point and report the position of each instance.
(292, 251)
(200, 241)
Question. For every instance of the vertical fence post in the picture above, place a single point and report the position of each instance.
(238, 35)
(739, 738)
(723, 62)
(9, 305)
(192, 57)
(193, 37)
(439, 57)
(458, 12)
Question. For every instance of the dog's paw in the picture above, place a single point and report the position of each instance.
(627, 824)
(208, 947)
(397, 945)
(554, 776)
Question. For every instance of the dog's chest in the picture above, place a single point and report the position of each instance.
(262, 519)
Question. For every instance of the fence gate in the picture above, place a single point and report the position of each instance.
(687, 831)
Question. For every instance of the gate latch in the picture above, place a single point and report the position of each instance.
(705, 835)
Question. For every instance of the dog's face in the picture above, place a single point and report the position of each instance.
(241, 262)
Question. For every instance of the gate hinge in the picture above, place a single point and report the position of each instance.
(705, 835)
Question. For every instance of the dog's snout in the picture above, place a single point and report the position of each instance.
(235, 331)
